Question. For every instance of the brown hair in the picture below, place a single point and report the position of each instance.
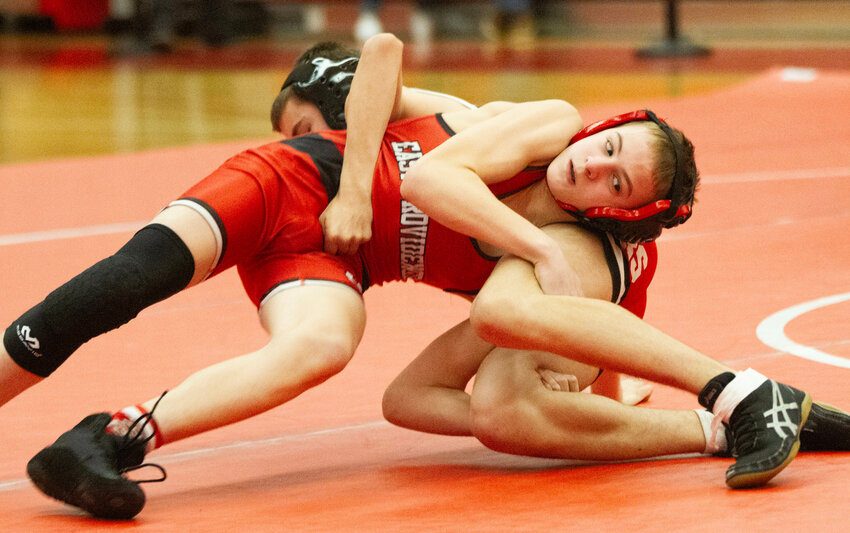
(665, 162)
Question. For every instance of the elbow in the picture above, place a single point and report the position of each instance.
(497, 318)
(383, 44)
(415, 182)
(494, 426)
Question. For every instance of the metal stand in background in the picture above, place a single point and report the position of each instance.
(674, 45)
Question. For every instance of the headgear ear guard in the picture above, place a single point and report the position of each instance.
(645, 223)
(325, 83)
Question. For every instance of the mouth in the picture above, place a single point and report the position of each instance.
(572, 174)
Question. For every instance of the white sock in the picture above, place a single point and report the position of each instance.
(125, 418)
(715, 442)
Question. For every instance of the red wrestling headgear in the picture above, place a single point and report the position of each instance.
(645, 223)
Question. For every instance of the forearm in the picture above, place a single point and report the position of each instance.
(450, 184)
(462, 202)
(370, 103)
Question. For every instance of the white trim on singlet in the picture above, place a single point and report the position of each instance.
(219, 239)
(280, 287)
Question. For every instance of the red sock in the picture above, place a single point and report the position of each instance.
(124, 419)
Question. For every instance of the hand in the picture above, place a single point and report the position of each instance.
(346, 225)
(555, 381)
(556, 276)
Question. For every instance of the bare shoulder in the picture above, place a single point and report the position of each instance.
(462, 119)
(417, 102)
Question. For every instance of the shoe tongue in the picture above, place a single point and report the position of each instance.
(708, 395)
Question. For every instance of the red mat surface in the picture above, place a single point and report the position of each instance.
(768, 233)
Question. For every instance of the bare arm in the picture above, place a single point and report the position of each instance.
(375, 91)
(377, 97)
(450, 183)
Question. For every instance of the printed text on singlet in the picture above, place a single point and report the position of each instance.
(413, 227)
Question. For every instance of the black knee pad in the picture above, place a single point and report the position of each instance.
(152, 266)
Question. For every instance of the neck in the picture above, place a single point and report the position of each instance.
(537, 204)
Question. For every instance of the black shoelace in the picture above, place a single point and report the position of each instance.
(130, 439)
(745, 434)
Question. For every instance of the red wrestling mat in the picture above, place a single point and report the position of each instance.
(768, 234)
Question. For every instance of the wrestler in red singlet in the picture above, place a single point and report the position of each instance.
(265, 204)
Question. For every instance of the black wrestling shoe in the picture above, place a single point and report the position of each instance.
(826, 430)
(765, 428)
(84, 468)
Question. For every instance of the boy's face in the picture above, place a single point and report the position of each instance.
(300, 117)
(612, 168)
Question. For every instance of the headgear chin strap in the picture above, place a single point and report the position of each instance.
(645, 223)
(325, 83)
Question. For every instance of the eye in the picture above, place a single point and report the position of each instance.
(615, 182)
(609, 147)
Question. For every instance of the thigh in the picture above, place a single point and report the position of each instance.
(222, 217)
(331, 312)
(196, 233)
(507, 371)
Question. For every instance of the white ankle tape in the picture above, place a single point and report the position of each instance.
(739, 388)
(714, 441)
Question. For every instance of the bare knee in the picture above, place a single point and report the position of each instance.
(394, 404)
(310, 357)
(497, 422)
(498, 402)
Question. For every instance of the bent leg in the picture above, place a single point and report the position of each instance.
(430, 393)
(314, 330)
(513, 412)
(512, 311)
(173, 252)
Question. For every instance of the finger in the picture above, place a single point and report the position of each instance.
(549, 383)
(330, 245)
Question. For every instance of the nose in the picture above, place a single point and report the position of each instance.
(598, 167)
